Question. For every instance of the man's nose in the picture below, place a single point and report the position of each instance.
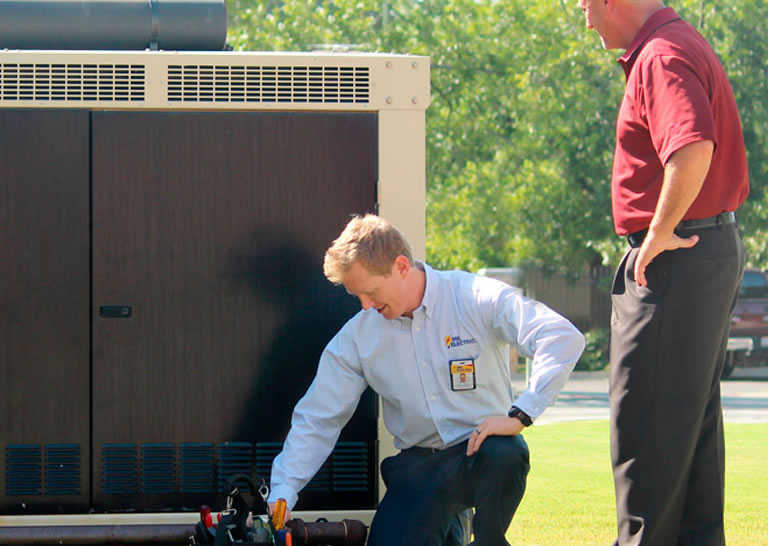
(366, 302)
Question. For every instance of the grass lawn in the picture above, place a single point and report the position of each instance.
(569, 498)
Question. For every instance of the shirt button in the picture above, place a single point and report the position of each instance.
(433, 397)
(418, 329)
(424, 364)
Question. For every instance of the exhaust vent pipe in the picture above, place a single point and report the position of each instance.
(196, 25)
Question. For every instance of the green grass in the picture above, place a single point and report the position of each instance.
(569, 498)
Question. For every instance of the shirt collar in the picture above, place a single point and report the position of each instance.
(654, 22)
(430, 290)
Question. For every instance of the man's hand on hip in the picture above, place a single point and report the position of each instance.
(652, 246)
(493, 426)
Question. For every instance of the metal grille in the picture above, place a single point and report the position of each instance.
(265, 455)
(62, 469)
(349, 466)
(119, 469)
(234, 458)
(198, 465)
(23, 469)
(72, 82)
(269, 84)
(158, 468)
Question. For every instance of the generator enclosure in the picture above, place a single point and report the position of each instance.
(164, 216)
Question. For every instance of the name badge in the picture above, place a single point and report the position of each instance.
(463, 374)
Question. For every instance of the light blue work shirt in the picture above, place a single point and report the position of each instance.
(463, 318)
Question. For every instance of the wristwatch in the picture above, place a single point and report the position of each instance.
(524, 418)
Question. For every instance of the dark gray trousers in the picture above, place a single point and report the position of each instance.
(426, 491)
(668, 342)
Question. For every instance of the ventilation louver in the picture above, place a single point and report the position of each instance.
(234, 458)
(198, 467)
(23, 469)
(119, 469)
(72, 82)
(349, 466)
(347, 469)
(158, 468)
(269, 84)
(62, 469)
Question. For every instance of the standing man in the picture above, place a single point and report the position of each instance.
(679, 173)
(435, 346)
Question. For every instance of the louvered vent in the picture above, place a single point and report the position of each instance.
(265, 454)
(72, 82)
(119, 469)
(269, 84)
(349, 466)
(234, 458)
(347, 469)
(158, 468)
(62, 469)
(23, 469)
(198, 467)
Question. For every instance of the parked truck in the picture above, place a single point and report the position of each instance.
(748, 340)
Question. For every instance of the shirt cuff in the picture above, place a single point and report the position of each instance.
(531, 403)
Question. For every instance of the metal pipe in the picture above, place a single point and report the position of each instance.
(113, 24)
(328, 533)
(97, 534)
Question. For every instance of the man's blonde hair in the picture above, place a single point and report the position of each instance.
(370, 240)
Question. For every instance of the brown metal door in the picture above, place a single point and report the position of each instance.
(44, 311)
(210, 307)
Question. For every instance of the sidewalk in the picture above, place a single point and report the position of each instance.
(585, 397)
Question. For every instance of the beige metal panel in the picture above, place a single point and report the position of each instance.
(402, 174)
(402, 200)
(183, 80)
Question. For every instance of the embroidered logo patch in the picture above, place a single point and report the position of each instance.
(457, 341)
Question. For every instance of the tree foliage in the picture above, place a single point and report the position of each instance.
(520, 132)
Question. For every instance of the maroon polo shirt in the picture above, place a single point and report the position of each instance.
(677, 93)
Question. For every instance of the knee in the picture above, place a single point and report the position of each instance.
(504, 452)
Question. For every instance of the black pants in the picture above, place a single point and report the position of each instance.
(425, 491)
(668, 344)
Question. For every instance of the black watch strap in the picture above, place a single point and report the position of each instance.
(524, 418)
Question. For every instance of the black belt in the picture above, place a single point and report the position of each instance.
(723, 219)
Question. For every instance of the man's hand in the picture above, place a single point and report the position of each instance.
(493, 426)
(653, 245)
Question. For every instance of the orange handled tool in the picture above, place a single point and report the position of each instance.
(279, 514)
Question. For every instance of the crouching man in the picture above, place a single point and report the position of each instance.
(434, 345)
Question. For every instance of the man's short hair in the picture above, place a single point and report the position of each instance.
(370, 240)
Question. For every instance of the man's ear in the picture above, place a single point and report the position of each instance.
(402, 266)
